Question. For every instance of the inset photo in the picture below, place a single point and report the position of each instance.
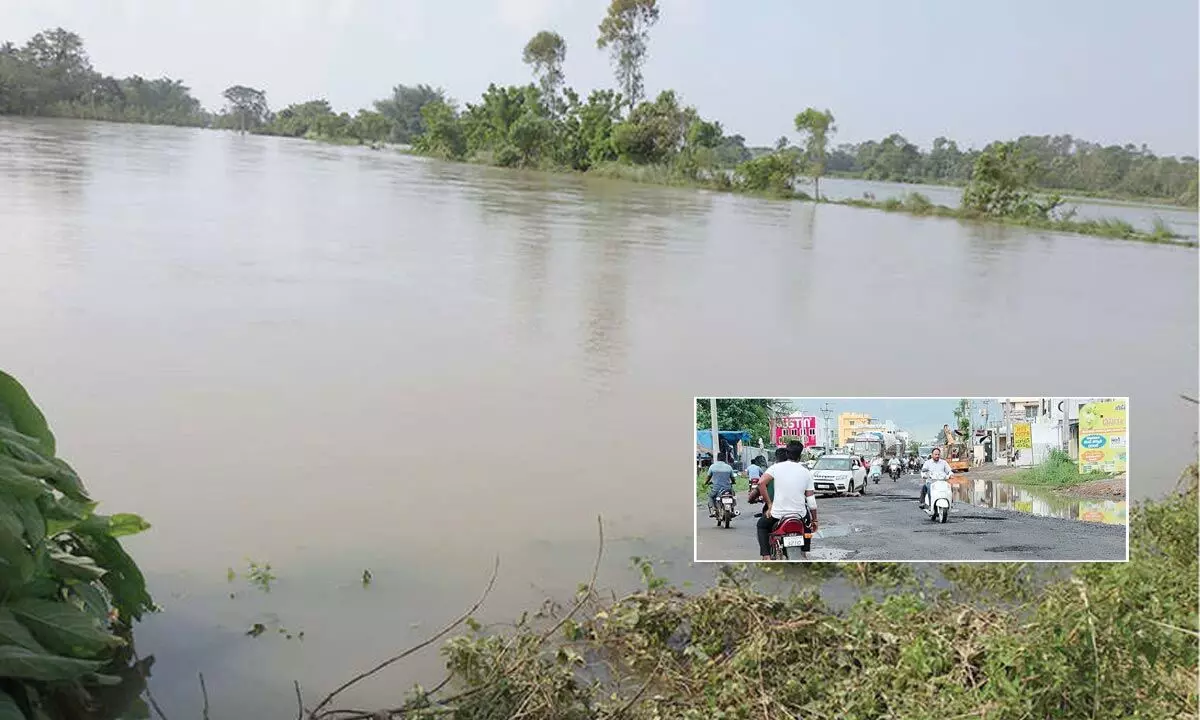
(1006, 479)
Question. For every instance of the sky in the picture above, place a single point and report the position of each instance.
(922, 418)
(971, 71)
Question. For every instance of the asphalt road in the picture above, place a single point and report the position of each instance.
(886, 524)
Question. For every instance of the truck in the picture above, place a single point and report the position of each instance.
(875, 444)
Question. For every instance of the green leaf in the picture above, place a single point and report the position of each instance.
(75, 567)
(9, 709)
(18, 412)
(18, 484)
(31, 518)
(64, 628)
(92, 600)
(118, 525)
(12, 632)
(127, 524)
(23, 664)
(124, 580)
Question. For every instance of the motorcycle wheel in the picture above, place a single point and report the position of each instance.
(727, 521)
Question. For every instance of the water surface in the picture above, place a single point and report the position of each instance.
(334, 359)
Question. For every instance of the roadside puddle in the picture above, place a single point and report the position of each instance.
(1038, 501)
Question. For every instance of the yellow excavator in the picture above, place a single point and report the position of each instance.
(956, 453)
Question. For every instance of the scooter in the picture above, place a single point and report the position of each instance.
(726, 508)
(939, 500)
(876, 473)
(894, 470)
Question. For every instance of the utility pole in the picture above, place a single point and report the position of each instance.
(716, 440)
(826, 411)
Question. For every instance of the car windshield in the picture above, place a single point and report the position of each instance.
(828, 463)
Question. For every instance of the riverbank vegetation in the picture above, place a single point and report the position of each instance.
(1095, 640)
(69, 593)
(610, 132)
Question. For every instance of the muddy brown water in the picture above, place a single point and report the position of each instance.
(334, 359)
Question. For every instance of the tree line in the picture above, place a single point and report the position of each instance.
(547, 124)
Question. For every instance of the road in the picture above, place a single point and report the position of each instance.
(886, 524)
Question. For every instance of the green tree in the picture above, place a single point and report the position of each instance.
(914, 447)
(443, 136)
(545, 53)
(775, 173)
(370, 126)
(815, 126)
(247, 107)
(586, 131)
(1001, 185)
(752, 414)
(654, 131)
(625, 32)
(403, 110)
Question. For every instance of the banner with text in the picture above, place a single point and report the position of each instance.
(1103, 441)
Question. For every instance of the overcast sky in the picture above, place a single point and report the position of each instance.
(1112, 72)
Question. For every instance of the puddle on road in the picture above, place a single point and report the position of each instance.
(1038, 501)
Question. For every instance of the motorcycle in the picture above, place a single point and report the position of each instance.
(794, 532)
(894, 470)
(939, 500)
(876, 473)
(726, 508)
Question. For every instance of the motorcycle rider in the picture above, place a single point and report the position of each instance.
(893, 465)
(781, 455)
(720, 475)
(793, 494)
(934, 468)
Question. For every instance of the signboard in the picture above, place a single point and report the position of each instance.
(800, 426)
(1022, 436)
(1103, 442)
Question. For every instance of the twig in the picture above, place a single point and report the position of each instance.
(419, 646)
(299, 701)
(591, 587)
(1193, 633)
(204, 695)
(146, 681)
(1189, 399)
(637, 695)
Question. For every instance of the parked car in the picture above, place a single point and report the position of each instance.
(839, 474)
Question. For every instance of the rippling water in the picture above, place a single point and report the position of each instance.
(335, 359)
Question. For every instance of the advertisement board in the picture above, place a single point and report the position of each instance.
(799, 426)
(1022, 436)
(1103, 437)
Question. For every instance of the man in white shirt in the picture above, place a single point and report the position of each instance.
(793, 494)
(935, 468)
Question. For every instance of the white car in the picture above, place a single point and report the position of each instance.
(838, 474)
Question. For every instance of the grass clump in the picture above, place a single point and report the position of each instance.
(1058, 470)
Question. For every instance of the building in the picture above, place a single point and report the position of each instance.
(850, 424)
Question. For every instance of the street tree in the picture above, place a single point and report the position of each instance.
(752, 414)
(815, 126)
(247, 106)
(545, 53)
(625, 33)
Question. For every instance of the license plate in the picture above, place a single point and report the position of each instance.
(793, 540)
(823, 486)
(727, 501)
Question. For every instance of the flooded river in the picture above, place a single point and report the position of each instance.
(333, 360)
